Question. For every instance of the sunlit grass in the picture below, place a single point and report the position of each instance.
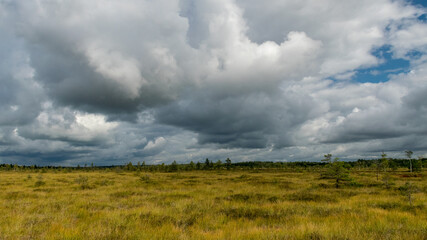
(208, 205)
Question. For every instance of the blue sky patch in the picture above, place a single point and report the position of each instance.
(419, 2)
(381, 72)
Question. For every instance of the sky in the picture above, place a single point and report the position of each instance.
(109, 82)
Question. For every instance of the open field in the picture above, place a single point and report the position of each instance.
(273, 204)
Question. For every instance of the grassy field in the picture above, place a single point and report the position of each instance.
(271, 204)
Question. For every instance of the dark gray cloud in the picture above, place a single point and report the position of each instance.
(19, 94)
(96, 61)
(248, 121)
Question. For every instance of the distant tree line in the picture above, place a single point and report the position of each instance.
(209, 165)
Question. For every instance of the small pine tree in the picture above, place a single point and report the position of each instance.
(418, 164)
(337, 171)
(173, 167)
(228, 163)
(409, 155)
(192, 166)
(359, 164)
(387, 180)
(384, 162)
(162, 167)
(408, 190)
(218, 164)
(327, 158)
(207, 164)
(381, 164)
(129, 166)
(393, 165)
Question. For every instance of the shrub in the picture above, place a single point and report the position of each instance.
(146, 178)
(122, 194)
(314, 236)
(83, 181)
(307, 196)
(258, 197)
(105, 182)
(408, 190)
(39, 181)
(249, 213)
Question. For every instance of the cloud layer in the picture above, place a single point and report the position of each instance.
(117, 81)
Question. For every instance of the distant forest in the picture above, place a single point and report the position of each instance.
(392, 164)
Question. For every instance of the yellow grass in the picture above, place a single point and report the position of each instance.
(207, 205)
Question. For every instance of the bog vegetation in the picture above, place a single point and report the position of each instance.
(376, 199)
